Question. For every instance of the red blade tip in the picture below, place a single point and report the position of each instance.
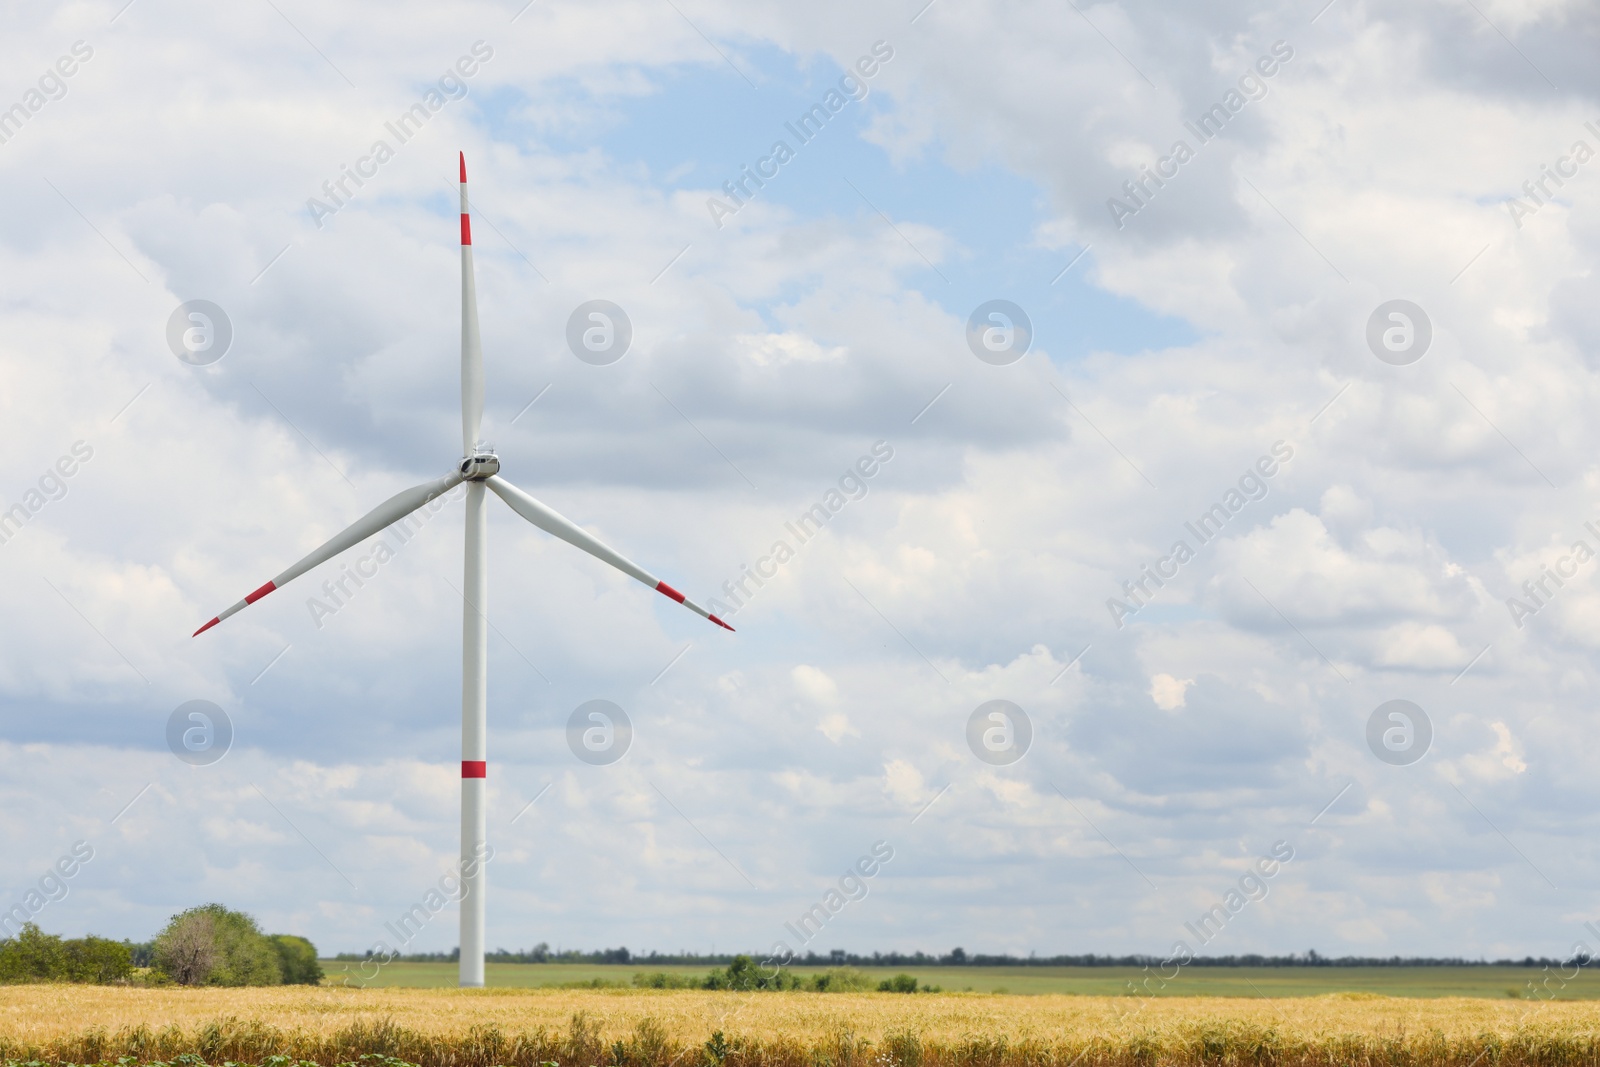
(206, 627)
(722, 624)
(463, 168)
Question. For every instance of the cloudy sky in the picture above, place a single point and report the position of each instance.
(1206, 215)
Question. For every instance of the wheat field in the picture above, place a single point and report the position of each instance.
(645, 1028)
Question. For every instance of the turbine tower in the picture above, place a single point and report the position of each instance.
(479, 469)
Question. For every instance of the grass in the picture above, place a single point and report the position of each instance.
(1494, 982)
(648, 1028)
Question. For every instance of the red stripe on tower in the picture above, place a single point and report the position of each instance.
(474, 768)
(259, 593)
(466, 228)
(669, 591)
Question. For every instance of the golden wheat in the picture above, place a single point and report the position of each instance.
(648, 1028)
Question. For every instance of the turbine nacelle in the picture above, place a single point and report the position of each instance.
(480, 465)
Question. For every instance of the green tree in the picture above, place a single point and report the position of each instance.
(31, 956)
(186, 951)
(211, 945)
(35, 956)
(297, 960)
(742, 973)
(96, 960)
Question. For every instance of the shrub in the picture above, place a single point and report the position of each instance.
(594, 983)
(660, 980)
(742, 974)
(841, 980)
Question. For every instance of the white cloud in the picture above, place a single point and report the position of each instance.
(815, 685)
(1168, 692)
(768, 358)
(904, 782)
(772, 349)
(1507, 749)
(836, 726)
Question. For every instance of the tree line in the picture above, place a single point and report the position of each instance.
(957, 957)
(208, 945)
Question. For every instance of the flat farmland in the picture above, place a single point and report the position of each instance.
(1491, 982)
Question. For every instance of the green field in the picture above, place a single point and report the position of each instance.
(1495, 982)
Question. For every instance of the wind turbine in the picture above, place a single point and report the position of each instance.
(479, 468)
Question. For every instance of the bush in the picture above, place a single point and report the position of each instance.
(841, 980)
(661, 980)
(743, 975)
(594, 983)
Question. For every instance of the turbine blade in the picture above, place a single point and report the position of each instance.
(552, 523)
(390, 511)
(471, 342)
